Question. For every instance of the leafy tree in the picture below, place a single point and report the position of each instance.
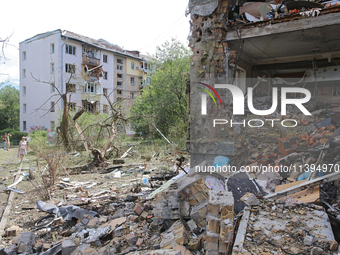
(164, 102)
(9, 107)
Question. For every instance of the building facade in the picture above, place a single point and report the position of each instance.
(59, 62)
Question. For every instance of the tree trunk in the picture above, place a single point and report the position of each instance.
(64, 125)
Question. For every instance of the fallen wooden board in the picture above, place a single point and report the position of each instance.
(303, 186)
(309, 195)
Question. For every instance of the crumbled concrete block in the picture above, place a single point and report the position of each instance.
(28, 238)
(309, 240)
(182, 249)
(68, 246)
(12, 231)
(138, 209)
(11, 250)
(46, 246)
(192, 225)
(92, 223)
(250, 199)
(21, 248)
(333, 245)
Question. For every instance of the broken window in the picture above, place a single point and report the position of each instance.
(132, 95)
(70, 87)
(119, 61)
(104, 91)
(105, 58)
(132, 81)
(52, 48)
(105, 76)
(132, 65)
(119, 67)
(119, 99)
(71, 106)
(119, 83)
(24, 90)
(105, 108)
(69, 49)
(119, 75)
(24, 108)
(52, 68)
(24, 125)
(89, 107)
(23, 55)
(23, 73)
(69, 68)
(119, 92)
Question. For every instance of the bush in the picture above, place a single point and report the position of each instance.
(16, 135)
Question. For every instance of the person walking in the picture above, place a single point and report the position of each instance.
(8, 141)
(4, 140)
(22, 151)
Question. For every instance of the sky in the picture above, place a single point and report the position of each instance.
(131, 24)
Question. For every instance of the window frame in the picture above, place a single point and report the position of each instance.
(70, 67)
(133, 65)
(70, 49)
(73, 85)
(105, 75)
(132, 79)
(52, 48)
(23, 55)
(52, 108)
(105, 58)
(24, 108)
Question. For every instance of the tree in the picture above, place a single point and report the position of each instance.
(164, 102)
(9, 107)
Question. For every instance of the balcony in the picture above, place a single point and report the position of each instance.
(87, 60)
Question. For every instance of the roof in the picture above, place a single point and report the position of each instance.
(101, 43)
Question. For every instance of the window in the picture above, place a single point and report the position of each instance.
(104, 91)
(133, 65)
(52, 48)
(105, 76)
(24, 126)
(70, 87)
(119, 83)
(71, 106)
(119, 67)
(90, 87)
(119, 75)
(24, 108)
(52, 125)
(52, 109)
(70, 68)
(119, 92)
(89, 107)
(105, 58)
(119, 99)
(132, 81)
(105, 108)
(52, 68)
(23, 55)
(23, 73)
(119, 61)
(52, 87)
(132, 95)
(24, 90)
(69, 49)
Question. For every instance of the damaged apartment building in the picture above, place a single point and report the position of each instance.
(86, 69)
(260, 45)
